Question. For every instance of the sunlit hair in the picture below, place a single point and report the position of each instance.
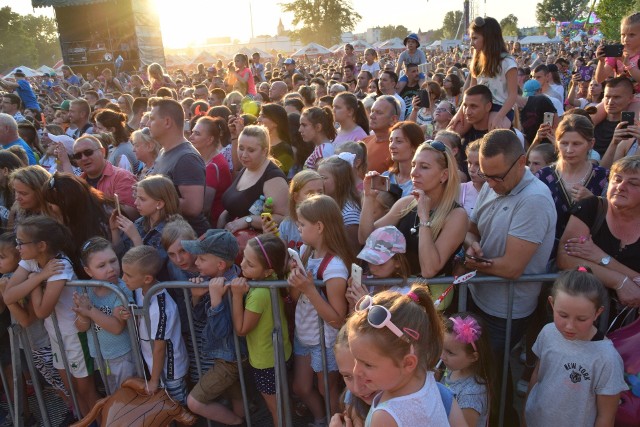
(155, 71)
(278, 115)
(355, 105)
(260, 133)
(275, 249)
(298, 182)
(578, 283)
(629, 164)
(487, 62)
(145, 258)
(115, 120)
(575, 123)
(435, 90)
(360, 150)
(160, 188)
(632, 19)
(324, 209)
(413, 134)
(482, 369)
(448, 201)
(33, 177)
(322, 116)
(176, 228)
(473, 147)
(138, 137)
(214, 127)
(57, 237)
(419, 316)
(344, 180)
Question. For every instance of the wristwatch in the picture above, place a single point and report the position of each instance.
(605, 260)
(248, 220)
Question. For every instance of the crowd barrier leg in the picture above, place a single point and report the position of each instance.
(102, 367)
(18, 388)
(5, 383)
(325, 369)
(26, 346)
(280, 363)
(243, 385)
(463, 293)
(507, 353)
(65, 362)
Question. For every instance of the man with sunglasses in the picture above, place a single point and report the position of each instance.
(511, 233)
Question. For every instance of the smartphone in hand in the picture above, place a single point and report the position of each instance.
(117, 200)
(380, 183)
(477, 258)
(548, 119)
(293, 254)
(356, 275)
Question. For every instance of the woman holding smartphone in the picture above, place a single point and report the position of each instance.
(431, 220)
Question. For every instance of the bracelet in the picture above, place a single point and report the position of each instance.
(636, 280)
(623, 281)
(424, 224)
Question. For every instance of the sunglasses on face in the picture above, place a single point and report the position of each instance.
(379, 317)
(85, 153)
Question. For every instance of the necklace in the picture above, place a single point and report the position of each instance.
(582, 181)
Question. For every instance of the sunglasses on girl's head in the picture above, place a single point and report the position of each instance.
(84, 153)
(479, 21)
(379, 317)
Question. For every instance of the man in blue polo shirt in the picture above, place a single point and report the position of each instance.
(9, 136)
(23, 87)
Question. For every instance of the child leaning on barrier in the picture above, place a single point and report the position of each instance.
(162, 347)
(101, 306)
(215, 252)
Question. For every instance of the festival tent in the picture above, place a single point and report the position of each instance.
(312, 49)
(358, 46)
(222, 55)
(205, 58)
(176, 60)
(29, 72)
(535, 40)
(249, 51)
(392, 44)
(58, 65)
(48, 70)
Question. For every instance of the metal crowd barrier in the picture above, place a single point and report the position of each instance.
(282, 392)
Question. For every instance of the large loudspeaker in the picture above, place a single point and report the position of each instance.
(93, 35)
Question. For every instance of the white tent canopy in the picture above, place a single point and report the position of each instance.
(312, 49)
(48, 70)
(29, 72)
(392, 44)
(249, 51)
(535, 40)
(358, 46)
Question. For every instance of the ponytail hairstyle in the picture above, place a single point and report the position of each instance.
(91, 246)
(355, 105)
(360, 150)
(324, 209)
(323, 117)
(244, 58)
(277, 114)
(413, 311)
(272, 253)
(483, 369)
(488, 61)
(581, 282)
(214, 126)
(115, 120)
(344, 178)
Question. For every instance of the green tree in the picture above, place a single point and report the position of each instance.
(611, 13)
(27, 40)
(451, 24)
(392, 31)
(560, 10)
(322, 21)
(509, 25)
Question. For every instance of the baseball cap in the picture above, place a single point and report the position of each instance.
(64, 106)
(211, 69)
(66, 140)
(530, 87)
(220, 243)
(19, 73)
(382, 245)
(413, 37)
(289, 61)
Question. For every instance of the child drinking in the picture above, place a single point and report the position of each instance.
(325, 255)
(99, 305)
(42, 243)
(214, 255)
(166, 357)
(316, 127)
(396, 347)
(579, 374)
(467, 356)
(264, 258)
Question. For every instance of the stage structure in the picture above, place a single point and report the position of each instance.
(94, 34)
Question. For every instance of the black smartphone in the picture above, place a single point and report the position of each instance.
(234, 109)
(629, 117)
(477, 258)
(423, 94)
(613, 50)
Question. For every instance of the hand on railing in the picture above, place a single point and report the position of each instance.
(301, 280)
(217, 289)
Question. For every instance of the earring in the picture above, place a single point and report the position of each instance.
(158, 207)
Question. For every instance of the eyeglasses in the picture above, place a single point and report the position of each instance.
(146, 131)
(444, 110)
(52, 183)
(21, 243)
(85, 153)
(379, 317)
(498, 178)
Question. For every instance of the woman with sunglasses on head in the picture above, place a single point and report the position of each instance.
(27, 185)
(432, 221)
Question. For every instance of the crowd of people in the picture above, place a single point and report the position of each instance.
(492, 158)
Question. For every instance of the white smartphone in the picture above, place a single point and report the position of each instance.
(293, 254)
(117, 200)
(356, 275)
(548, 119)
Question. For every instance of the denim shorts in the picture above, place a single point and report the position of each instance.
(315, 352)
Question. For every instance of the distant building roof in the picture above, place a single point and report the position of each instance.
(62, 3)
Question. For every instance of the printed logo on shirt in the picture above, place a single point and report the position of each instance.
(577, 372)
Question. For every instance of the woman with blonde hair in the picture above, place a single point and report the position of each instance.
(158, 78)
(27, 184)
(146, 150)
(432, 221)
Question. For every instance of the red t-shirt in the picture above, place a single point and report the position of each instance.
(218, 177)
